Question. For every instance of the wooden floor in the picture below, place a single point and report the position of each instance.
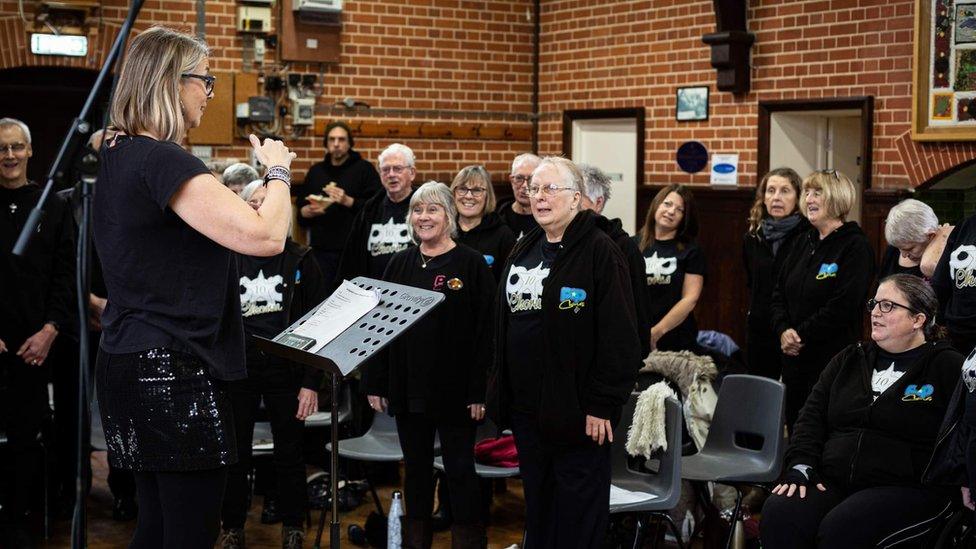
(104, 533)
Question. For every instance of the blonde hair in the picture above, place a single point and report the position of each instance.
(838, 193)
(758, 210)
(476, 173)
(147, 98)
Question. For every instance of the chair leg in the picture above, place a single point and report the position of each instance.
(638, 533)
(372, 490)
(674, 529)
(735, 517)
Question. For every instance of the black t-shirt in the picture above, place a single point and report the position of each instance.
(890, 266)
(523, 288)
(355, 176)
(387, 235)
(168, 285)
(665, 266)
(262, 294)
(889, 367)
(520, 224)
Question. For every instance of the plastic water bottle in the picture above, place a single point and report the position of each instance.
(393, 536)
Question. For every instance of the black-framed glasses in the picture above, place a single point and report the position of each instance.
(886, 305)
(208, 80)
(15, 148)
(476, 192)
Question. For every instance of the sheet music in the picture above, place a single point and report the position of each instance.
(341, 310)
(620, 496)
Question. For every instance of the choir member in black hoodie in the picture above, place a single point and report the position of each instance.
(565, 360)
(433, 378)
(674, 268)
(379, 230)
(517, 213)
(275, 292)
(37, 308)
(479, 227)
(955, 284)
(915, 241)
(595, 198)
(346, 180)
(816, 308)
(865, 437)
(775, 223)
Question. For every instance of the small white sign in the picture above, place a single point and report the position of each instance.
(311, 43)
(725, 169)
(49, 44)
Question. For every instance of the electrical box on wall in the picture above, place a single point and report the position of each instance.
(253, 19)
(317, 5)
(260, 109)
(303, 111)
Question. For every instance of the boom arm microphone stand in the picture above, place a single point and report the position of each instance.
(75, 138)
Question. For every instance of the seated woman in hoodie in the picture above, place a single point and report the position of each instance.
(479, 227)
(853, 475)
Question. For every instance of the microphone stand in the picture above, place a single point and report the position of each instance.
(77, 134)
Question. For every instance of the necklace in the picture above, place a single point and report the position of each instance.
(424, 260)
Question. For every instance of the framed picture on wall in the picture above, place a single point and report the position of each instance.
(691, 103)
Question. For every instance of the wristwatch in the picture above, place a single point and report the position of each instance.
(280, 173)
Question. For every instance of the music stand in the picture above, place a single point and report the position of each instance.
(400, 307)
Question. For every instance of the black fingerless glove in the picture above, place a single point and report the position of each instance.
(795, 476)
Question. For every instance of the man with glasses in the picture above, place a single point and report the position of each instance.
(36, 308)
(380, 228)
(335, 190)
(517, 213)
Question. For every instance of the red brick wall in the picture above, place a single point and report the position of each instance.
(418, 61)
(626, 54)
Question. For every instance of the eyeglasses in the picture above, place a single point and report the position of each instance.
(393, 169)
(13, 148)
(887, 305)
(476, 192)
(520, 179)
(548, 190)
(208, 80)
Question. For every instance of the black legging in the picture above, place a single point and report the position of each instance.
(416, 432)
(178, 510)
(840, 519)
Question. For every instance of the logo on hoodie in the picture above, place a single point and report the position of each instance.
(914, 393)
(659, 269)
(962, 266)
(969, 371)
(572, 298)
(259, 296)
(387, 238)
(524, 287)
(489, 259)
(827, 270)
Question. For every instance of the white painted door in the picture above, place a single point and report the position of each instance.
(611, 145)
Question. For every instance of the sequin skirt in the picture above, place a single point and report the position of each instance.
(161, 411)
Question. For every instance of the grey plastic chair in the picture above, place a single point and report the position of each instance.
(486, 430)
(745, 441)
(323, 418)
(665, 485)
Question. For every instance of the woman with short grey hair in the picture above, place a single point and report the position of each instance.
(915, 239)
(237, 175)
(420, 379)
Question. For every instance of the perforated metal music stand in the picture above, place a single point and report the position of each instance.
(400, 307)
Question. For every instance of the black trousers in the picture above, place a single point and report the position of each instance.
(763, 353)
(278, 384)
(24, 405)
(416, 432)
(799, 382)
(841, 519)
(178, 510)
(567, 490)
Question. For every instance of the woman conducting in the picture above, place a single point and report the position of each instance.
(166, 231)
(815, 308)
(775, 222)
(566, 360)
(433, 377)
(866, 434)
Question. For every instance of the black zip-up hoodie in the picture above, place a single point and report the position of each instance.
(854, 441)
(493, 239)
(358, 178)
(591, 348)
(954, 281)
(354, 260)
(821, 293)
(299, 295)
(762, 270)
(38, 287)
(638, 279)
